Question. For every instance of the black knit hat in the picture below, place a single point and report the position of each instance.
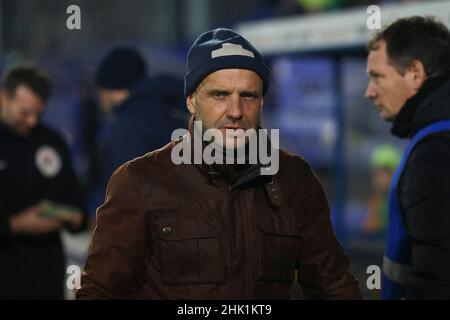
(222, 49)
(121, 68)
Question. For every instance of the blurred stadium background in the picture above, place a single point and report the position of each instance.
(316, 49)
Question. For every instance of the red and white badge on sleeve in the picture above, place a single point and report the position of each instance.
(48, 161)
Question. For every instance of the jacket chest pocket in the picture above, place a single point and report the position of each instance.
(278, 241)
(189, 250)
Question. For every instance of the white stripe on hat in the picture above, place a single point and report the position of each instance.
(230, 49)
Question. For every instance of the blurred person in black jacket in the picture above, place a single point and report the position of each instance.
(35, 170)
(409, 68)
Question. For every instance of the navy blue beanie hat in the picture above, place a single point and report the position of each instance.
(222, 49)
(121, 68)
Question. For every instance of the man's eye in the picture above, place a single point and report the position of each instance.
(219, 94)
(250, 96)
(376, 77)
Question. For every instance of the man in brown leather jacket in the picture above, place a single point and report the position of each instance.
(172, 229)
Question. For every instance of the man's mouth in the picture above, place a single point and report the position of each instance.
(234, 127)
(234, 131)
(378, 106)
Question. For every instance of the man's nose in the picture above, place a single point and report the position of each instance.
(235, 107)
(371, 91)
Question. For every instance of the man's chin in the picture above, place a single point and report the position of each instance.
(23, 132)
(386, 116)
(231, 143)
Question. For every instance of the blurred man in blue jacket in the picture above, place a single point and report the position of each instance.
(139, 108)
(409, 83)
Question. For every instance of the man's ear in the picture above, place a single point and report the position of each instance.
(418, 74)
(190, 103)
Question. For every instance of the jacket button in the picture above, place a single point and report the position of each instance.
(276, 197)
(274, 189)
(167, 231)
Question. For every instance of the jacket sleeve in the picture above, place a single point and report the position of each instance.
(116, 257)
(323, 265)
(425, 200)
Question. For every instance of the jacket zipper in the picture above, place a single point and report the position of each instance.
(230, 235)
